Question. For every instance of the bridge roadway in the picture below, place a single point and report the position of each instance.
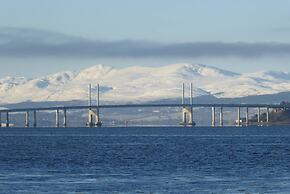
(142, 106)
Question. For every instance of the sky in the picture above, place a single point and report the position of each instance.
(43, 37)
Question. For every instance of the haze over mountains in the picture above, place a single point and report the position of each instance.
(142, 83)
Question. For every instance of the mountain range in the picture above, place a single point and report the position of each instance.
(138, 84)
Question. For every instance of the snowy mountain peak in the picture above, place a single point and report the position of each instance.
(95, 72)
(200, 70)
(61, 78)
(9, 82)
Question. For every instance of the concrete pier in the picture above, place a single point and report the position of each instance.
(267, 114)
(213, 116)
(34, 119)
(64, 118)
(90, 122)
(184, 118)
(247, 116)
(187, 118)
(98, 122)
(57, 118)
(93, 114)
(0, 119)
(27, 119)
(239, 117)
(7, 119)
(221, 117)
(259, 116)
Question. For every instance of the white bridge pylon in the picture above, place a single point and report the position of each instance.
(94, 113)
(187, 112)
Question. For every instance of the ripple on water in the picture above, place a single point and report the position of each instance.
(159, 160)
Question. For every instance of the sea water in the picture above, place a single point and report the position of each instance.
(145, 160)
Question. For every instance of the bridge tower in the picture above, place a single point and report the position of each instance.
(187, 112)
(94, 113)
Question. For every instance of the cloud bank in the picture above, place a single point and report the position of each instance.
(17, 42)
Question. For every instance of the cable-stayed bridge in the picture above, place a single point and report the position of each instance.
(187, 117)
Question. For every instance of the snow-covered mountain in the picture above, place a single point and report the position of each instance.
(142, 83)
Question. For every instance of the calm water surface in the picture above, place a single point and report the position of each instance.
(145, 160)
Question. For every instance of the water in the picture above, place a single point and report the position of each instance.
(145, 160)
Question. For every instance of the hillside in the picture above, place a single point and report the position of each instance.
(142, 84)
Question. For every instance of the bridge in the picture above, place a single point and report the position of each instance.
(187, 117)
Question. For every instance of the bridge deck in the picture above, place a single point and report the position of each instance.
(143, 106)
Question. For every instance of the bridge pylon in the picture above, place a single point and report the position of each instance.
(94, 113)
(187, 111)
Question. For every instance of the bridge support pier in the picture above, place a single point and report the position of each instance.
(57, 118)
(213, 116)
(259, 116)
(64, 118)
(184, 118)
(27, 119)
(221, 117)
(247, 116)
(239, 117)
(7, 119)
(187, 117)
(90, 122)
(267, 115)
(34, 119)
(98, 122)
(93, 114)
(0, 120)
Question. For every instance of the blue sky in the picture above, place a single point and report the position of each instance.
(40, 37)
